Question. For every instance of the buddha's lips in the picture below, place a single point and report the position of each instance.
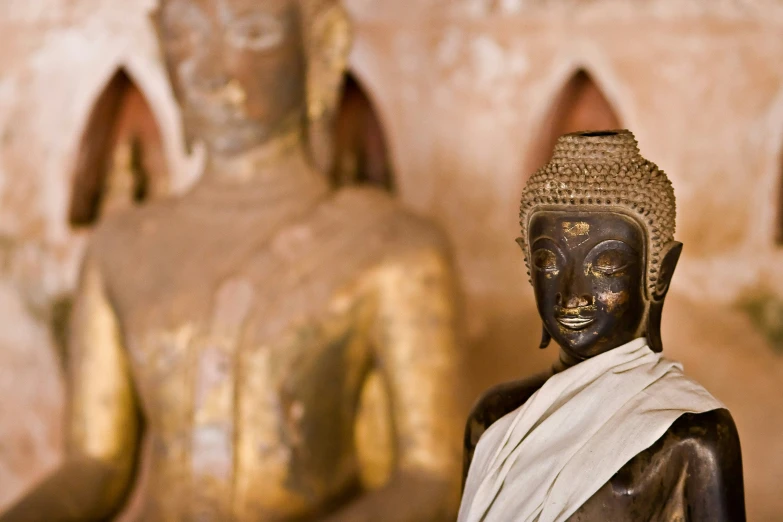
(575, 318)
(575, 323)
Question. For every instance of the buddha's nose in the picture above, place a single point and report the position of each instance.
(205, 71)
(210, 79)
(574, 300)
(575, 290)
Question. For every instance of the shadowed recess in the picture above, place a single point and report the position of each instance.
(120, 160)
(59, 319)
(580, 106)
(361, 154)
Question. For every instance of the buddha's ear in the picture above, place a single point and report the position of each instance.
(155, 18)
(329, 36)
(546, 337)
(671, 255)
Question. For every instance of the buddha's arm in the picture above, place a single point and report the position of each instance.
(480, 419)
(103, 422)
(417, 352)
(494, 404)
(714, 488)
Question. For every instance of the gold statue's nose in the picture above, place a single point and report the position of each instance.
(233, 93)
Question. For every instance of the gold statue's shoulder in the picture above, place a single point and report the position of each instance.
(117, 229)
(119, 241)
(385, 219)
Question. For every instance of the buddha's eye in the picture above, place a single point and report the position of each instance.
(255, 33)
(185, 28)
(180, 40)
(545, 260)
(611, 262)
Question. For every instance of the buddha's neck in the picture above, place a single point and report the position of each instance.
(274, 168)
(565, 361)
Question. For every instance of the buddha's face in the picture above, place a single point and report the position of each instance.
(588, 273)
(237, 68)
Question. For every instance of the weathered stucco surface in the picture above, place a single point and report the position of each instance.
(465, 96)
(55, 59)
(462, 89)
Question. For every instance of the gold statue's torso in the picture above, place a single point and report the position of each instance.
(290, 352)
(249, 329)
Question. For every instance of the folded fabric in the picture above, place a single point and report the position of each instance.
(542, 461)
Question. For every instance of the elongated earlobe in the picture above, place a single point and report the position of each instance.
(670, 257)
(653, 334)
(545, 338)
(329, 42)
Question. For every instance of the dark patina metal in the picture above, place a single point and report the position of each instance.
(601, 257)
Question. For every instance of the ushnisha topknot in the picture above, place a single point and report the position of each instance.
(603, 169)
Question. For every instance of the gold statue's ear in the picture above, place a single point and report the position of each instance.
(155, 17)
(329, 43)
(671, 255)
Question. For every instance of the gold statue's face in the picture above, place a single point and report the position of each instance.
(237, 68)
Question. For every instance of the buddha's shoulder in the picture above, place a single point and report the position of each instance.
(703, 435)
(502, 399)
(375, 213)
(706, 445)
(128, 230)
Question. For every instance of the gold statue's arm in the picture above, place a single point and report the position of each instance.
(417, 352)
(103, 421)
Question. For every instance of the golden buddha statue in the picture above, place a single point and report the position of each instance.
(288, 351)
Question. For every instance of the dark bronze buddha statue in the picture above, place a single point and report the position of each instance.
(598, 238)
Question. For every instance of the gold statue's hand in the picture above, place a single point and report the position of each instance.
(103, 424)
(77, 491)
(415, 338)
(407, 498)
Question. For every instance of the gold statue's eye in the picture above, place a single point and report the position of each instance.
(544, 259)
(185, 27)
(610, 262)
(182, 40)
(255, 33)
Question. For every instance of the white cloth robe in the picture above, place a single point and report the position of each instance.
(542, 461)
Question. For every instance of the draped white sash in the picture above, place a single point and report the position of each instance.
(542, 461)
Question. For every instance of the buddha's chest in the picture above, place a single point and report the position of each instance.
(239, 393)
(231, 302)
(241, 356)
(649, 488)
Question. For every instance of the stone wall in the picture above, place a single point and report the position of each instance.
(465, 88)
(55, 60)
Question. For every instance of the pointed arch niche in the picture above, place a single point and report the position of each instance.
(361, 153)
(580, 106)
(121, 160)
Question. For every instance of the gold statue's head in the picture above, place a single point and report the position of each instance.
(598, 239)
(246, 71)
